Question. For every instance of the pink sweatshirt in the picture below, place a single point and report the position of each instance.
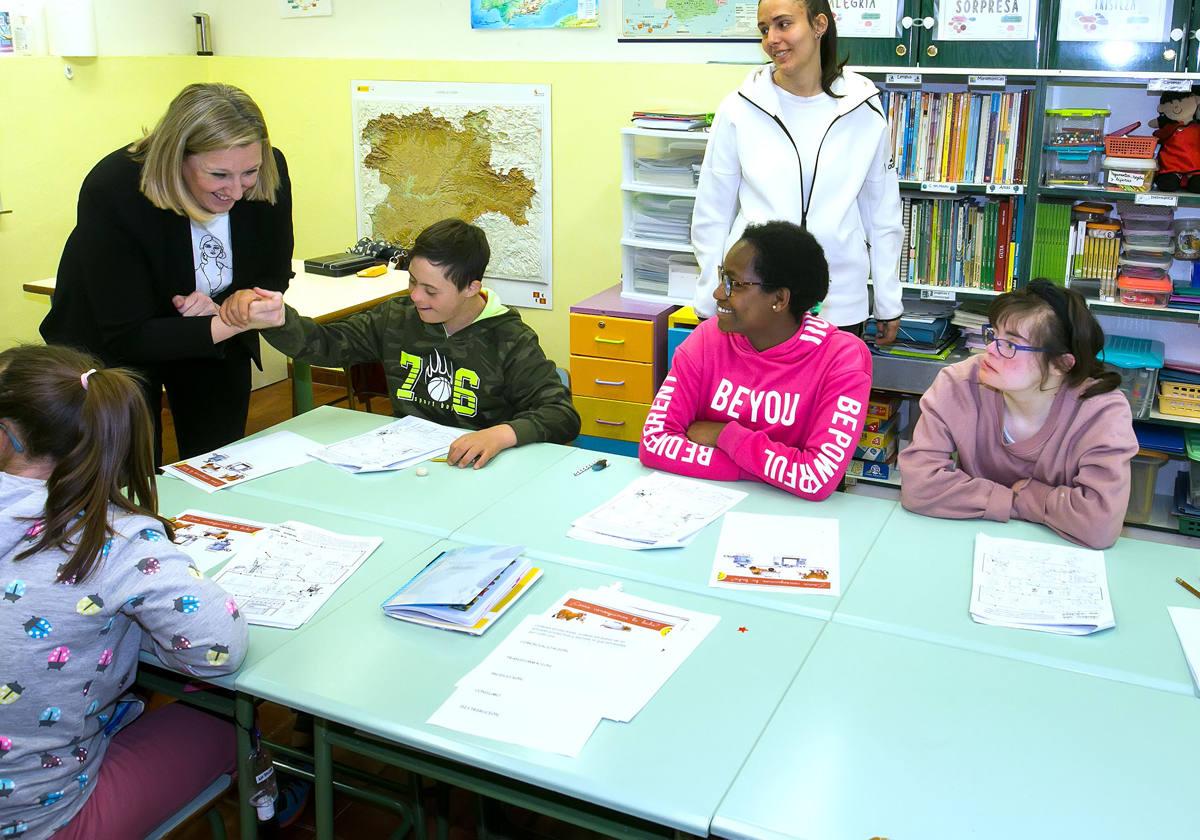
(1072, 476)
(793, 413)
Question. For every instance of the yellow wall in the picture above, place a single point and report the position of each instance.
(53, 132)
(307, 105)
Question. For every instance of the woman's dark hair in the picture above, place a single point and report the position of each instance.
(831, 68)
(788, 257)
(100, 438)
(1060, 321)
(460, 249)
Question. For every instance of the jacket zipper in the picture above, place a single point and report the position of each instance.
(804, 200)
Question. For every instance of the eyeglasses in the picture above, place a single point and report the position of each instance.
(16, 444)
(1007, 349)
(729, 285)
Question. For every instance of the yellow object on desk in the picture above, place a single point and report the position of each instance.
(373, 271)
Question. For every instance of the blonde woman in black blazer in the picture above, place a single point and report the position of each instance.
(167, 228)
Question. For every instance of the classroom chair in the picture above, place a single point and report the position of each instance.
(204, 801)
(365, 380)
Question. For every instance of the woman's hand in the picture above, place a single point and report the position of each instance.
(705, 432)
(235, 311)
(197, 303)
(266, 310)
(885, 331)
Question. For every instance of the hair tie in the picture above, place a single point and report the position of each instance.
(84, 378)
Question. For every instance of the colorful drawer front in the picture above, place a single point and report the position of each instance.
(610, 379)
(611, 418)
(612, 338)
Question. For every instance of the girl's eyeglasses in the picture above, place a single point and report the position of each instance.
(729, 285)
(1008, 349)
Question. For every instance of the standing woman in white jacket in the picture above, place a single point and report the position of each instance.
(805, 141)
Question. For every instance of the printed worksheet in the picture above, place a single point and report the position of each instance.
(1187, 626)
(408, 441)
(242, 462)
(1038, 586)
(290, 571)
(212, 538)
(655, 511)
(793, 553)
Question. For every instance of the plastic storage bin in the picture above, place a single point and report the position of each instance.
(1076, 166)
(1143, 475)
(1187, 239)
(667, 161)
(1075, 126)
(1179, 406)
(1159, 242)
(1194, 484)
(1129, 174)
(1138, 361)
(1140, 291)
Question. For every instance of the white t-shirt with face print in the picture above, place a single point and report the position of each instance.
(212, 255)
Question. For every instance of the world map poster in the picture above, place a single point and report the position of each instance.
(535, 14)
(426, 151)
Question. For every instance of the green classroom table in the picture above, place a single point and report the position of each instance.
(885, 736)
(917, 583)
(436, 504)
(538, 517)
(670, 766)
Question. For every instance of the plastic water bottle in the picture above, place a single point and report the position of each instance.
(266, 789)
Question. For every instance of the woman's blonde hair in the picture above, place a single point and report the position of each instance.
(202, 118)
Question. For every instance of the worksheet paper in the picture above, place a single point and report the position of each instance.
(243, 461)
(290, 571)
(596, 654)
(655, 511)
(212, 538)
(1037, 586)
(408, 441)
(792, 553)
(1187, 627)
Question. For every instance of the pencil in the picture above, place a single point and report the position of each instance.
(1188, 586)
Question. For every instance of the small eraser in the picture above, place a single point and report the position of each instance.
(422, 472)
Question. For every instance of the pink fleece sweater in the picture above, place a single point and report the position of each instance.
(1072, 476)
(793, 413)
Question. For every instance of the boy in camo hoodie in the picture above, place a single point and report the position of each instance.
(452, 352)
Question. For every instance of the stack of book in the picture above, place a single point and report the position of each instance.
(464, 589)
(671, 121)
(975, 138)
(967, 242)
(971, 317)
(1093, 248)
(875, 455)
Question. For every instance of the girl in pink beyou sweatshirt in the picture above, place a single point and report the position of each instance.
(764, 390)
(1040, 431)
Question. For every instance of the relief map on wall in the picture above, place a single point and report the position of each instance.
(426, 151)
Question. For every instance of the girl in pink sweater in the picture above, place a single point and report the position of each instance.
(764, 390)
(1040, 431)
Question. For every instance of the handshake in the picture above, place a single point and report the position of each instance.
(245, 309)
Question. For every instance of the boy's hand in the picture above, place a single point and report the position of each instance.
(235, 310)
(266, 311)
(480, 447)
(705, 432)
(195, 304)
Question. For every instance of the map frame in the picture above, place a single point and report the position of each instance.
(659, 36)
(513, 291)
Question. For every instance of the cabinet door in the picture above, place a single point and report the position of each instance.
(1192, 39)
(876, 33)
(1119, 34)
(978, 33)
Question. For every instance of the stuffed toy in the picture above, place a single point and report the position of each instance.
(1179, 143)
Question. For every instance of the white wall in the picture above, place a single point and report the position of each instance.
(433, 29)
(126, 27)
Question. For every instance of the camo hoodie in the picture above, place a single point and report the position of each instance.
(491, 371)
(68, 651)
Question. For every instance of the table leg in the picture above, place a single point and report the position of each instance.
(323, 778)
(302, 393)
(244, 718)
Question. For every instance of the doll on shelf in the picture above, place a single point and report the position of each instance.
(1178, 136)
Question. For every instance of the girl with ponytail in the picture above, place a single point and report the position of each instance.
(1038, 426)
(90, 577)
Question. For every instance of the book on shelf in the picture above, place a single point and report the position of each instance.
(671, 121)
(960, 136)
(966, 242)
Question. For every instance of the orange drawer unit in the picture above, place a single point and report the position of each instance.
(612, 338)
(611, 418)
(610, 379)
(618, 360)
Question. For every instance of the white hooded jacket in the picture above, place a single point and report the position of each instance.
(751, 174)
